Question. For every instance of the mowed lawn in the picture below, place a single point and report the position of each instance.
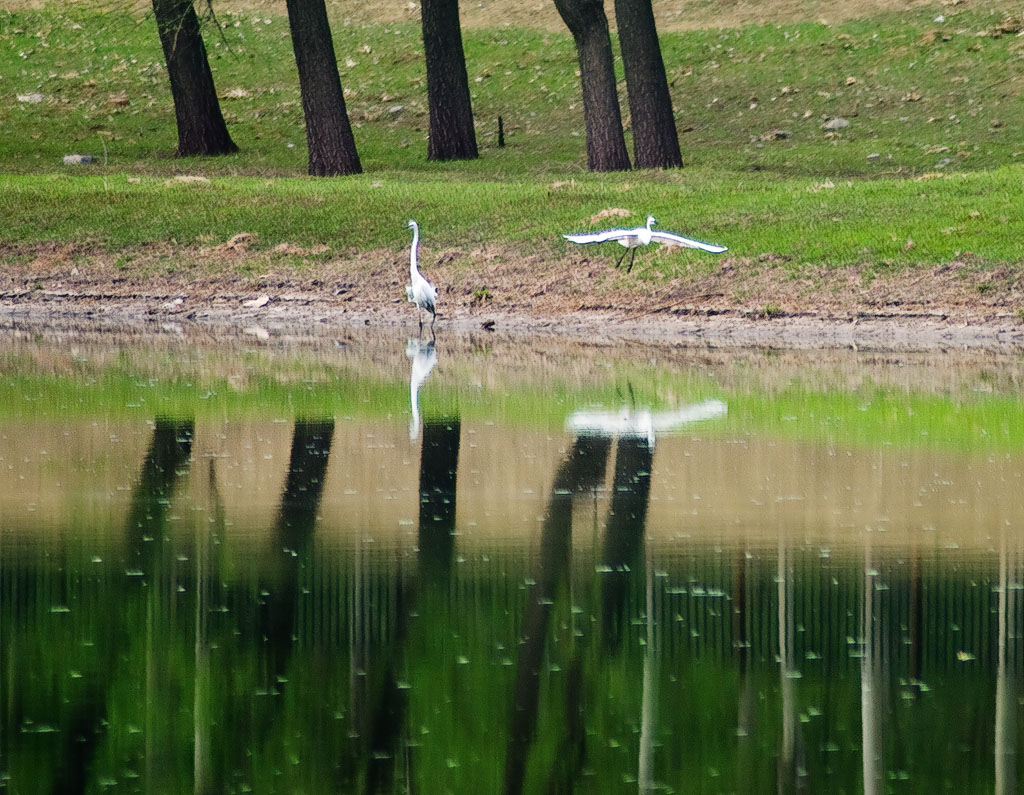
(890, 140)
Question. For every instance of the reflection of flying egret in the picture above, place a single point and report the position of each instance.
(420, 292)
(643, 423)
(424, 357)
(641, 236)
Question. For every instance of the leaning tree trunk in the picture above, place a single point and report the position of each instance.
(201, 127)
(451, 135)
(332, 147)
(606, 144)
(655, 141)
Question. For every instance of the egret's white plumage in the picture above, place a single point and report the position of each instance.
(643, 423)
(420, 292)
(641, 236)
(424, 357)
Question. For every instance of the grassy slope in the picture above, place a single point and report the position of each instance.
(925, 173)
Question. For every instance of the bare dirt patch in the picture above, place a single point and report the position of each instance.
(740, 303)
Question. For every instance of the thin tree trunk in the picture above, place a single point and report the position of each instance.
(606, 144)
(201, 127)
(451, 135)
(332, 147)
(655, 140)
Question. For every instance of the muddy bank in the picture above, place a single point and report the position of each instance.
(740, 305)
(301, 315)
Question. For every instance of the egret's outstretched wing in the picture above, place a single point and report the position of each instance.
(669, 239)
(601, 237)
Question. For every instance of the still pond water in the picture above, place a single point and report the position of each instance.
(365, 564)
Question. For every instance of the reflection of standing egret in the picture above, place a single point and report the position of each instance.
(424, 357)
(420, 292)
(641, 236)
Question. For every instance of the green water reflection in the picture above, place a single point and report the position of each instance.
(487, 566)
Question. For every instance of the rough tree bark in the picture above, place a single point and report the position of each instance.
(655, 140)
(606, 144)
(332, 147)
(451, 135)
(201, 127)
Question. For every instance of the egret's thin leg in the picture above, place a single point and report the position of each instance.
(632, 256)
(433, 317)
(619, 260)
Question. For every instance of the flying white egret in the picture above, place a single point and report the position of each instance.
(642, 236)
(420, 292)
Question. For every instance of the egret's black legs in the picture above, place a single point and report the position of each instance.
(619, 260)
(632, 256)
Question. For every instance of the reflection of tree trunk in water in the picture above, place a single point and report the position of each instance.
(791, 762)
(649, 694)
(167, 458)
(1008, 669)
(202, 756)
(623, 541)
(439, 465)
(292, 545)
(572, 749)
(582, 469)
(172, 443)
(871, 748)
(279, 586)
(741, 642)
(291, 549)
(915, 629)
(82, 733)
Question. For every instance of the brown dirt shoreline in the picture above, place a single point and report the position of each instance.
(742, 304)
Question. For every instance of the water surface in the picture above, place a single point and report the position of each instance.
(491, 564)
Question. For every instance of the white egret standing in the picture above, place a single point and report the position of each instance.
(420, 292)
(642, 236)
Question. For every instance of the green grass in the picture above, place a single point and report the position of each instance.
(923, 99)
(860, 221)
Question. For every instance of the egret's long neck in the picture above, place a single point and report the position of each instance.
(650, 221)
(412, 256)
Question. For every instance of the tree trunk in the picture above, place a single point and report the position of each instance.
(201, 127)
(451, 135)
(332, 147)
(655, 141)
(606, 144)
